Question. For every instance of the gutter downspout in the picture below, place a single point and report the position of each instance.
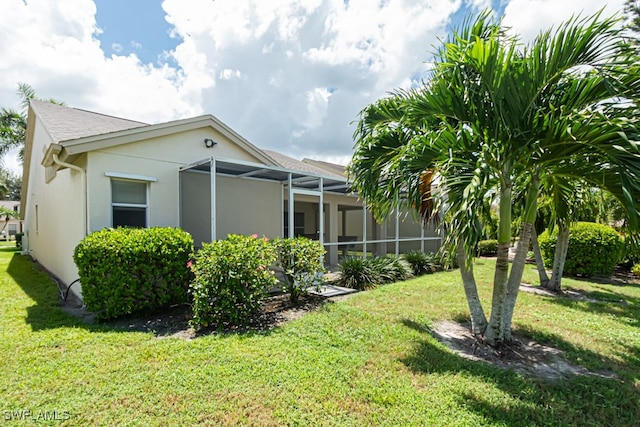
(85, 218)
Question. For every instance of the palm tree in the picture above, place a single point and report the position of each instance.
(495, 117)
(13, 124)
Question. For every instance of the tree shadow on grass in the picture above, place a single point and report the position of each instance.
(46, 312)
(51, 311)
(604, 300)
(575, 400)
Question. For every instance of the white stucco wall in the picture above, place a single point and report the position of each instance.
(54, 216)
(52, 234)
(157, 158)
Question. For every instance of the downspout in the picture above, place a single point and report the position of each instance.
(85, 218)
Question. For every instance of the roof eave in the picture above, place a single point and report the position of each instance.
(96, 142)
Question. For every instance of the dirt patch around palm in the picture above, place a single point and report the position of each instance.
(522, 354)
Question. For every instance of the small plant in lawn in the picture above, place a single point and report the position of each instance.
(129, 270)
(390, 269)
(446, 258)
(231, 279)
(356, 273)
(631, 252)
(636, 270)
(302, 262)
(422, 262)
(364, 273)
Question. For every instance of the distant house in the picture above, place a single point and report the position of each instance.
(10, 226)
(85, 171)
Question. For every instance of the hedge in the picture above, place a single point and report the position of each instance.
(594, 249)
(128, 270)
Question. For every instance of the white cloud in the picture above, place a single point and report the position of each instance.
(289, 75)
(61, 58)
(307, 66)
(529, 17)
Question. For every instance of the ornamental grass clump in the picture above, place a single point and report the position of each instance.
(422, 262)
(231, 280)
(130, 270)
(364, 273)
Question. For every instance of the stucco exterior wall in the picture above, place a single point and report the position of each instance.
(54, 216)
(159, 159)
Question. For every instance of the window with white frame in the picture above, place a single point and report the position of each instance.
(129, 203)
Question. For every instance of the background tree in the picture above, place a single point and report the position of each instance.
(494, 118)
(10, 186)
(13, 124)
(632, 18)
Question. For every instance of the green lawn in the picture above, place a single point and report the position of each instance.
(363, 361)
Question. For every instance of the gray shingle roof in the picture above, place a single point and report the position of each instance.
(64, 123)
(293, 164)
(331, 167)
(67, 124)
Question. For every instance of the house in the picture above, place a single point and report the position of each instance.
(10, 225)
(85, 171)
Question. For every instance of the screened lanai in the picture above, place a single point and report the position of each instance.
(219, 197)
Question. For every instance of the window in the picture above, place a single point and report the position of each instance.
(129, 203)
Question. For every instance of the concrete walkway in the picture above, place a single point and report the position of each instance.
(329, 291)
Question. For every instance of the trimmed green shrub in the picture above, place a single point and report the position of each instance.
(231, 279)
(128, 270)
(364, 273)
(302, 262)
(636, 270)
(594, 249)
(422, 262)
(487, 247)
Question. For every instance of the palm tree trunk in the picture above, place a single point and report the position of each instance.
(494, 334)
(559, 258)
(542, 272)
(515, 278)
(517, 269)
(478, 318)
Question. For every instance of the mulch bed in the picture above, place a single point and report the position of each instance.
(174, 322)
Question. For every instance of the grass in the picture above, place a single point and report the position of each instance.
(364, 361)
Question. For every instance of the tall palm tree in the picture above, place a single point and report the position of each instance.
(495, 116)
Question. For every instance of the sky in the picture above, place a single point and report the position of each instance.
(288, 75)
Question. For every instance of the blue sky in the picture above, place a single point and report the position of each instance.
(134, 27)
(288, 75)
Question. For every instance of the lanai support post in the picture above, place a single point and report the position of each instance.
(291, 208)
(397, 232)
(364, 230)
(213, 199)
